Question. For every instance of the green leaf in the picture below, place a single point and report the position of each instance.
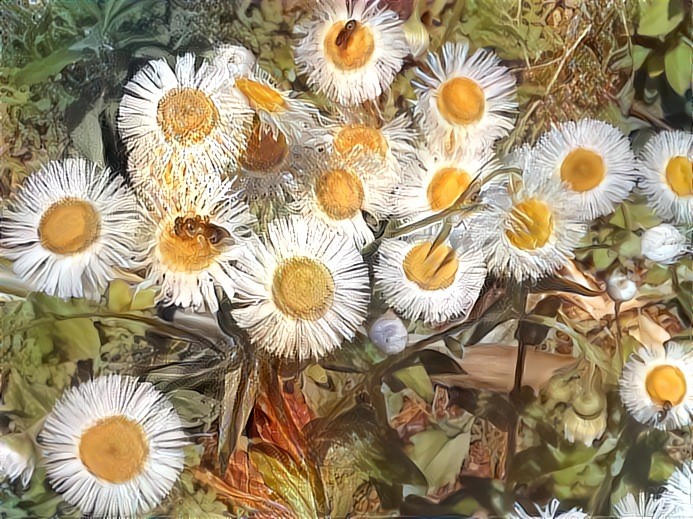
(40, 70)
(662, 467)
(87, 136)
(30, 402)
(416, 378)
(640, 55)
(654, 17)
(678, 66)
(603, 258)
(77, 339)
(439, 457)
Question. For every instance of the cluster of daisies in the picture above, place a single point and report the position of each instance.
(208, 139)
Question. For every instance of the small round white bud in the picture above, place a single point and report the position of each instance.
(389, 334)
(663, 243)
(621, 287)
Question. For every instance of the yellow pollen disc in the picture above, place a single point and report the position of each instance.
(431, 269)
(679, 175)
(339, 194)
(353, 54)
(182, 253)
(186, 115)
(531, 224)
(583, 170)
(446, 187)
(461, 101)
(260, 96)
(115, 449)
(264, 151)
(69, 226)
(666, 384)
(303, 288)
(369, 140)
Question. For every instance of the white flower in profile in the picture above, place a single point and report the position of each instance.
(642, 507)
(113, 446)
(550, 511)
(350, 50)
(677, 498)
(17, 457)
(664, 243)
(465, 99)
(667, 171)
(70, 229)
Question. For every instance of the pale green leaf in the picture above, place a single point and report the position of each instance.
(678, 66)
(654, 17)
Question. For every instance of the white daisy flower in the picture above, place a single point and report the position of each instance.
(113, 447)
(423, 278)
(302, 291)
(183, 126)
(392, 142)
(351, 50)
(591, 159)
(526, 236)
(198, 237)
(677, 499)
(336, 188)
(237, 60)
(642, 507)
(465, 100)
(437, 179)
(70, 229)
(550, 511)
(665, 165)
(657, 385)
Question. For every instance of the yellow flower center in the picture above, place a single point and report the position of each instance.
(461, 101)
(679, 175)
(583, 170)
(260, 96)
(368, 139)
(531, 224)
(446, 187)
(349, 50)
(303, 288)
(186, 115)
(339, 194)
(115, 449)
(184, 251)
(264, 151)
(666, 384)
(431, 269)
(69, 226)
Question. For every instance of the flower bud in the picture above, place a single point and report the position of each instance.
(663, 243)
(620, 286)
(416, 35)
(577, 427)
(238, 60)
(389, 334)
(17, 457)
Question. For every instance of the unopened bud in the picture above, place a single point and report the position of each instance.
(663, 243)
(389, 334)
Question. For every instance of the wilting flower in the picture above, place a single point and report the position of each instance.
(663, 243)
(113, 446)
(302, 291)
(592, 159)
(351, 51)
(465, 99)
(657, 385)
(17, 457)
(665, 164)
(70, 229)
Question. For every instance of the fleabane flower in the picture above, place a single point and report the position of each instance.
(677, 498)
(667, 175)
(642, 506)
(71, 228)
(593, 162)
(17, 457)
(550, 511)
(464, 99)
(350, 50)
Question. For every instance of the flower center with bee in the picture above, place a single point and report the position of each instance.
(265, 151)
(446, 186)
(339, 194)
(115, 449)
(349, 45)
(461, 101)
(190, 244)
(303, 288)
(261, 96)
(69, 226)
(679, 175)
(364, 139)
(583, 170)
(431, 268)
(666, 383)
(530, 224)
(186, 115)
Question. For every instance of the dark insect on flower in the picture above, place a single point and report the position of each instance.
(662, 415)
(343, 37)
(194, 228)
